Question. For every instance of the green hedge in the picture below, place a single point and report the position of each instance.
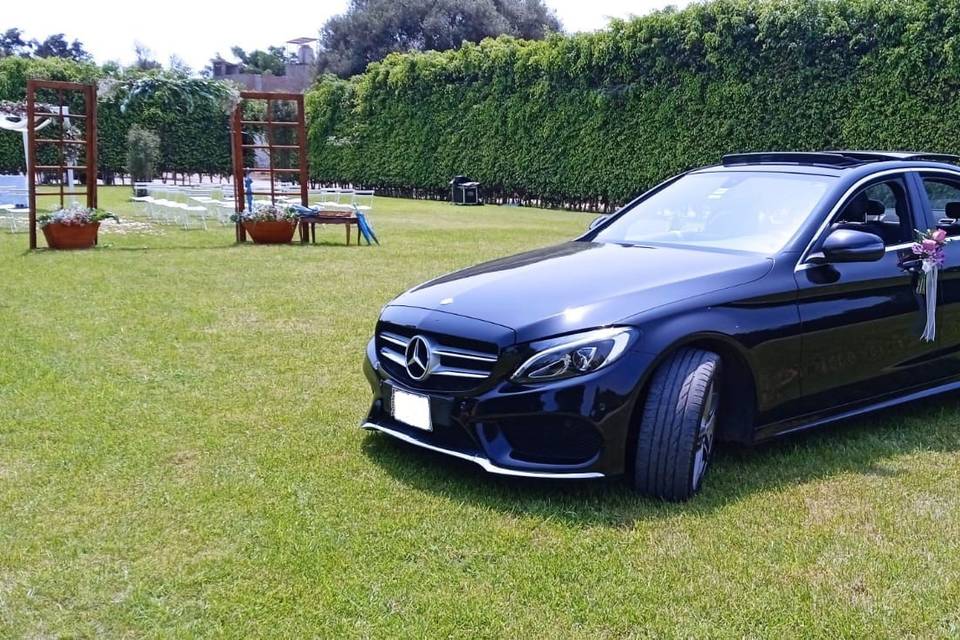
(14, 73)
(194, 140)
(593, 119)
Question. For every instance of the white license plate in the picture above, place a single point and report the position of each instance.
(412, 409)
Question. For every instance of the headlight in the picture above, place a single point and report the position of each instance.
(574, 355)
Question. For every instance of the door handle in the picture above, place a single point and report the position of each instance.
(914, 265)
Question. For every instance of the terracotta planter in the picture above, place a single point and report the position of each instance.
(71, 236)
(271, 231)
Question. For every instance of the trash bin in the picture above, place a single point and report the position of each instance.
(464, 191)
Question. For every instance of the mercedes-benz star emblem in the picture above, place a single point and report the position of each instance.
(420, 358)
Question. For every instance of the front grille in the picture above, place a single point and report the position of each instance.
(462, 363)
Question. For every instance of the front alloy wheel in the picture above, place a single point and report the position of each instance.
(678, 425)
(708, 427)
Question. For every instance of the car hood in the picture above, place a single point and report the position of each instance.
(580, 285)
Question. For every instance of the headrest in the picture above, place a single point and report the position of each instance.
(952, 210)
(875, 208)
(856, 211)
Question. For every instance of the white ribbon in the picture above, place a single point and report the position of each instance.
(931, 275)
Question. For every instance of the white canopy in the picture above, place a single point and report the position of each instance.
(17, 122)
(12, 122)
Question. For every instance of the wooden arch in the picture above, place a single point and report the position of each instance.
(271, 127)
(63, 167)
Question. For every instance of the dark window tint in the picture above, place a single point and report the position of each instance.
(880, 209)
(941, 193)
(944, 197)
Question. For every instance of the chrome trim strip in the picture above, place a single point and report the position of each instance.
(452, 352)
(465, 354)
(399, 359)
(900, 247)
(802, 263)
(480, 460)
(458, 373)
(393, 356)
(395, 339)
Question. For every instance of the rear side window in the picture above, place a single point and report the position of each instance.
(941, 193)
(944, 197)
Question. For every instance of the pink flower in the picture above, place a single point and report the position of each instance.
(930, 246)
(939, 236)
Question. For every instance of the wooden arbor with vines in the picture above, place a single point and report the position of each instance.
(283, 141)
(66, 156)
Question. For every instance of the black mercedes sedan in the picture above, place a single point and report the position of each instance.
(773, 293)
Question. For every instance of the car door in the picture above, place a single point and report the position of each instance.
(940, 192)
(862, 322)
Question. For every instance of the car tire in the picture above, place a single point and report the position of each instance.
(678, 426)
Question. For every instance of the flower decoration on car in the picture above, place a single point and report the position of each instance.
(76, 215)
(929, 247)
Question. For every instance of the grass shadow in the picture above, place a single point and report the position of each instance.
(856, 446)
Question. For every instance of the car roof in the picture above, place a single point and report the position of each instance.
(834, 163)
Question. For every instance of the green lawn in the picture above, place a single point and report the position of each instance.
(179, 456)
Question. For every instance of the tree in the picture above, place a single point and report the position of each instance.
(273, 60)
(13, 44)
(176, 64)
(112, 69)
(371, 29)
(143, 154)
(56, 46)
(144, 61)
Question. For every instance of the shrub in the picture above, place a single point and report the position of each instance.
(187, 114)
(143, 152)
(591, 120)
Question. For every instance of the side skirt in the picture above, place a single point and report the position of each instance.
(774, 430)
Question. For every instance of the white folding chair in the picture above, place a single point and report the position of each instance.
(19, 220)
(335, 200)
(227, 209)
(363, 199)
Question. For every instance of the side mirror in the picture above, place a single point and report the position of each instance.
(596, 222)
(848, 245)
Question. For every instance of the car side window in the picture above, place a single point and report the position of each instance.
(880, 209)
(944, 197)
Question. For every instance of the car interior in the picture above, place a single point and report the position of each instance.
(950, 220)
(880, 209)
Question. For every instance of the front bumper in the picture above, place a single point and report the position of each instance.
(480, 460)
(573, 429)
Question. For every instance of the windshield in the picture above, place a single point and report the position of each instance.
(758, 212)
